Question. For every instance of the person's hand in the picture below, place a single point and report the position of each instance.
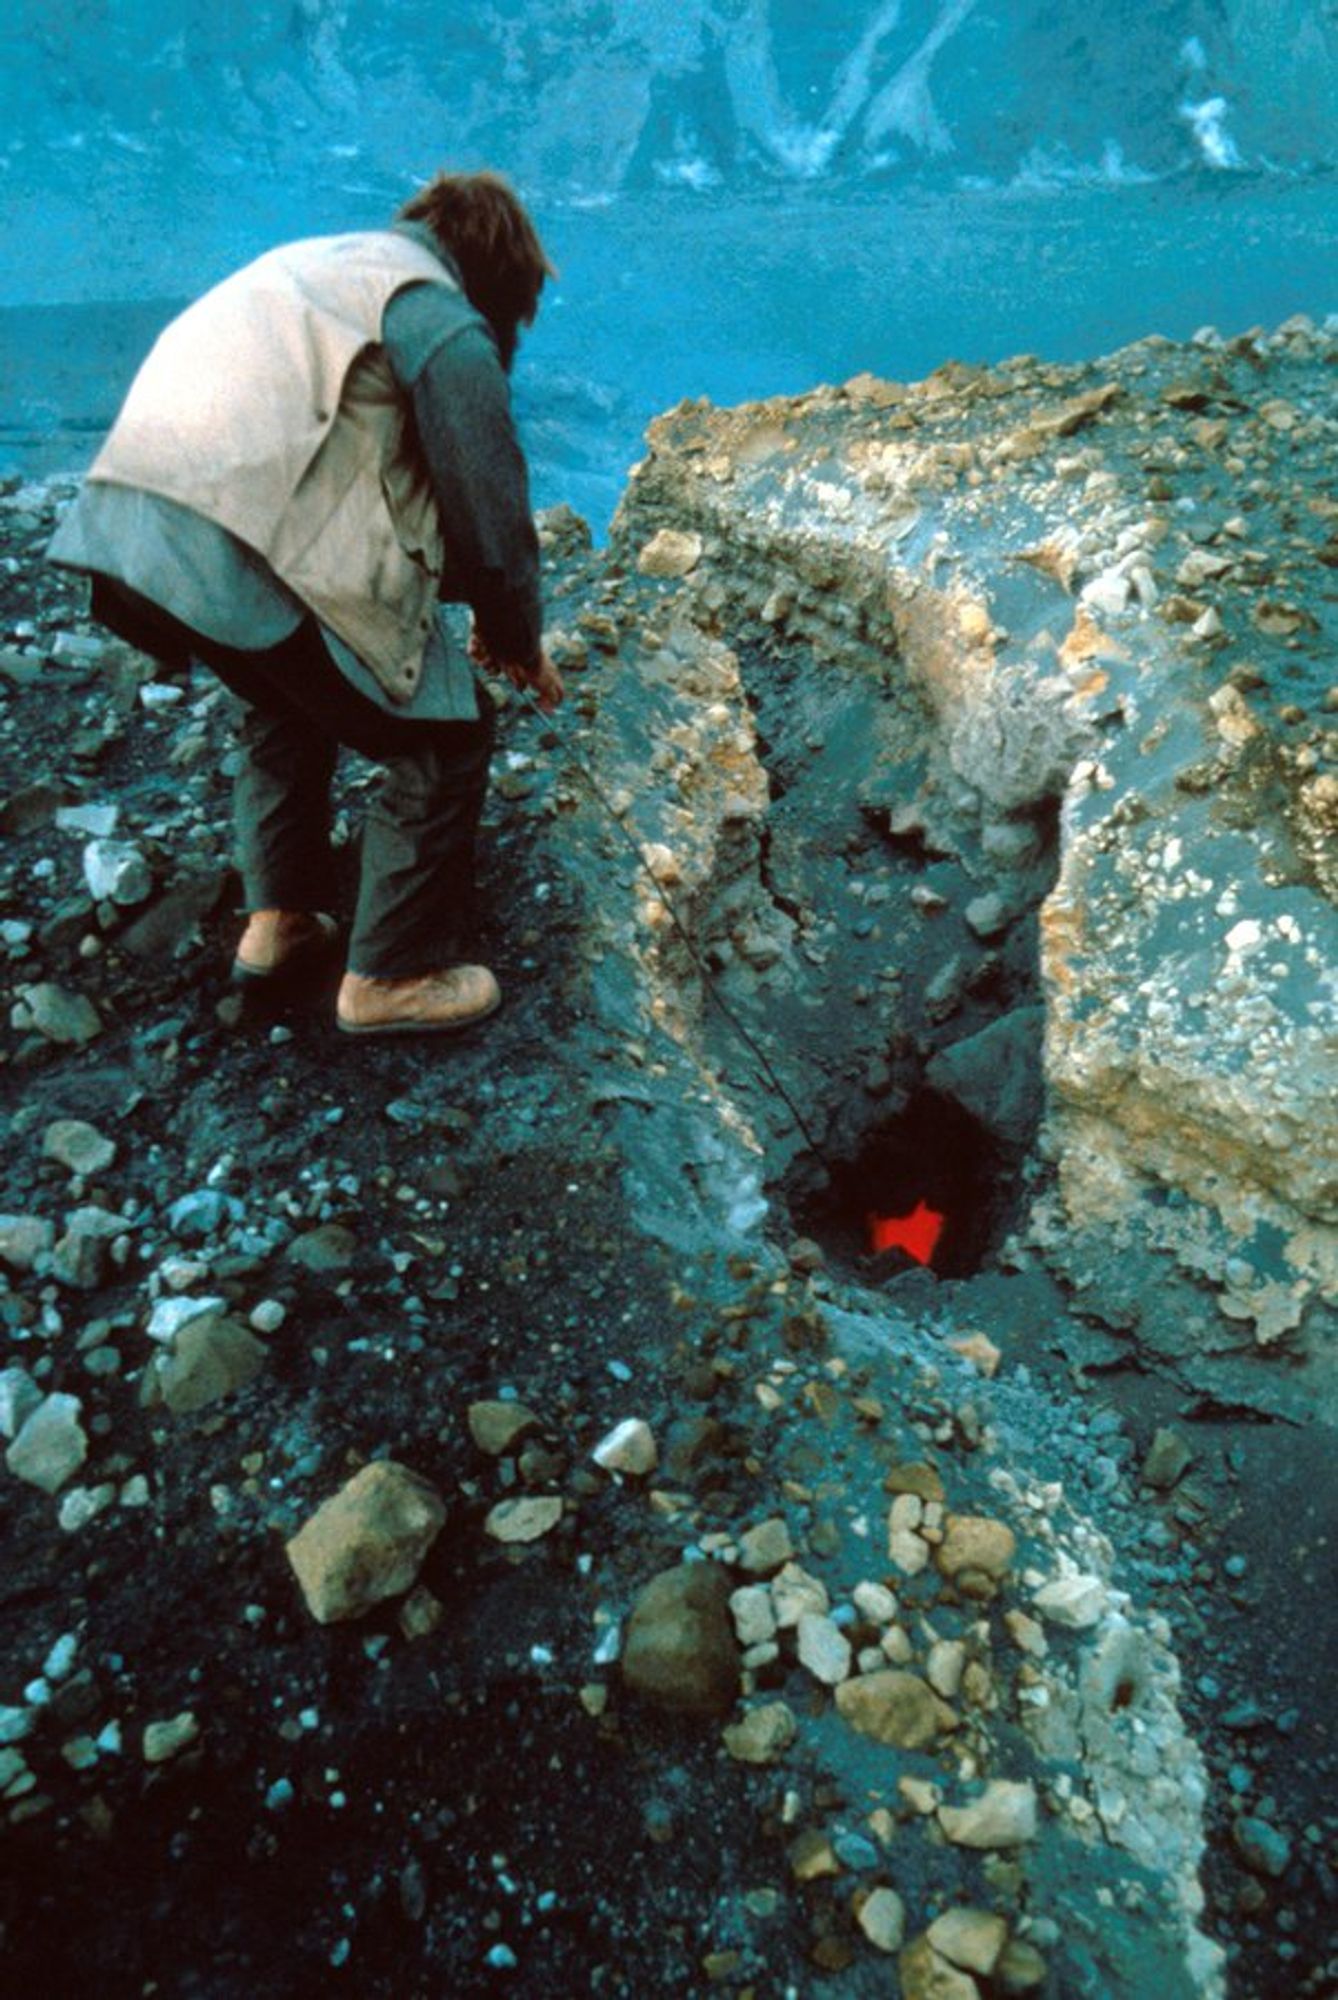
(542, 680)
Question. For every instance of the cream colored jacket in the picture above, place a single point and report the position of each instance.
(269, 407)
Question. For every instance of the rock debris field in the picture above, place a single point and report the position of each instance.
(492, 1517)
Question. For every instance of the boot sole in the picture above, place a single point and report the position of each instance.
(374, 1028)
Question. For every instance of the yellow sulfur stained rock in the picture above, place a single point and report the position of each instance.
(970, 1939)
(670, 553)
(366, 1543)
(893, 1708)
(926, 1976)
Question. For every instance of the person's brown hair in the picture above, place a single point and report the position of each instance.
(479, 220)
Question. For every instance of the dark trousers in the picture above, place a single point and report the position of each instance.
(416, 890)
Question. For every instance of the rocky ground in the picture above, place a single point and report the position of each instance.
(481, 1518)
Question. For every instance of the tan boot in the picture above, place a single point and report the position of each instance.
(435, 1003)
(283, 947)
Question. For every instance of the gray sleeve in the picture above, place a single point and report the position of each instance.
(443, 355)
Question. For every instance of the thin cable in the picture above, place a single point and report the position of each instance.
(745, 1036)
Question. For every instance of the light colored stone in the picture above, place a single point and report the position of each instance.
(19, 1397)
(51, 1445)
(115, 871)
(81, 1504)
(823, 1649)
(906, 1547)
(765, 1548)
(980, 1351)
(895, 1708)
(527, 1519)
(945, 1666)
(497, 1427)
(82, 1255)
(895, 1646)
(169, 1316)
(78, 1146)
(1005, 1815)
(875, 1602)
(1021, 1969)
(629, 1448)
(763, 1735)
(795, 1595)
(367, 1542)
(920, 1794)
(670, 552)
(1076, 1602)
(969, 1938)
(61, 1016)
(926, 1976)
(975, 1552)
(907, 1551)
(1027, 1634)
(209, 1359)
(165, 1740)
(754, 1619)
(812, 1856)
(23, 1239)
(881, 1915)
(679, 1652)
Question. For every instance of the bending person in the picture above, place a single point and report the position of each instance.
(312, 456)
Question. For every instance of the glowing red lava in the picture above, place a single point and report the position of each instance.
(917, 1233)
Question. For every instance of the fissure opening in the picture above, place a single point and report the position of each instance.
(930, 1187)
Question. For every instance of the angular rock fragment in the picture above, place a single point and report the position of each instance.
(329, 1248)
(116, 872)
(881, 1915)
(165, 1740)
(202, 1213)
(170, 1316)
(629, 1447)
(795, 1595)
(1261, 1847)
(1076, 1602)
(996, 1074)
(894, 1708)
(812, 1856)
(59, 1015)
(1004, 1815)
(497, 1426)
(975, 1554)
(823, 1649)
(524, 1520)
(680, 1652)
(763, 1735)
(23, 1239)
(78, 1146)
(670, 552)
(926, 1976)
(210, 1358)
(1169, 1458)
(754, 1619)
(971, 1939)
(1020, 1969)
(51, 1445)
(765, 1548)
(82, 1255)
(19, 1397)
(367, 1542)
